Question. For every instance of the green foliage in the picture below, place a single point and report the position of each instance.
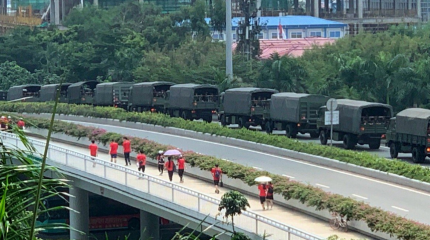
(377, 219)
(11, 75)
(233, 203)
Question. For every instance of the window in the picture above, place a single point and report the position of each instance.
(335, 34)
(296, 35)
(315, 34)
(215, 36)
(260, 36)
(218, 36)
(234, 36)
(274, 35)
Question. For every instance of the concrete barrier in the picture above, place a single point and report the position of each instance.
(318, 160)
(235, 184)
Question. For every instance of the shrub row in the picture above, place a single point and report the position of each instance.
(357, 158)
(377, 219)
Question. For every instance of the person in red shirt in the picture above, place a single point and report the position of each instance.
(3, 122)
(127, 149)
(169, 165)
(21, 124)
(181, 167)
(93, 151)
(263, 193)
(113, 151)
(217, 176)
(141, 159)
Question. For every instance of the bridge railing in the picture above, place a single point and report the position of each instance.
(172, 192)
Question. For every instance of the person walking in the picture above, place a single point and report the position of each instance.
(269, 196)
(21, 124)
(181, 168)
(93, 151)
(263, 193)
(170, 166)
(141, 160)
(217, 176)
(113, 151)
(127, 149)
(160, 161)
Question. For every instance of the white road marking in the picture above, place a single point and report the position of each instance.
(320, 185)
(287, 176)
(258, 168)
(270, 155)
(355, 195)
(401, 209)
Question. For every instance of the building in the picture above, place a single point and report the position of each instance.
(293, 27)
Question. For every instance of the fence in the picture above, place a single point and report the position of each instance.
(177, 194)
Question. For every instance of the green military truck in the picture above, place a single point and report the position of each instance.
(149, 96)
(48, 92)
(27, 93)
(244, 106)
(192, 101)
(114, 94)
(294, 113)
(360, 122)
(82, 92)
(409, 132)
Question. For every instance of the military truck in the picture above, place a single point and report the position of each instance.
(114, 94)
(49, 92)
(294, 112)
(82, 92)
(3, 95)
(360, 122)
(192, 101)
(148, 96)
(409, 132)
(245, 106)
(27, 93)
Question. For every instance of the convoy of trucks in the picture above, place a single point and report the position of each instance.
(360, 122)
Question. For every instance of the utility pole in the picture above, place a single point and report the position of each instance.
(228, 42)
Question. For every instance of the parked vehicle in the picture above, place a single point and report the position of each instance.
(409, 132)
(245, 106)
(28, 93)
(360, 122)
(49, 92)
(82, 92)
(294, 113)
(114, 94)
(149, 96)
(192, 101)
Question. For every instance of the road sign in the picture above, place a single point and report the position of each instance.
(331, 104)
(327, 119)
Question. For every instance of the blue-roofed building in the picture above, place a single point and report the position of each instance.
(292, 27)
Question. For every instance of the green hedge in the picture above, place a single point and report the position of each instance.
(377, 219)
(357, 158)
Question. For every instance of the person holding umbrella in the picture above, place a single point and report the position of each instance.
(262, 189)
(170, 167)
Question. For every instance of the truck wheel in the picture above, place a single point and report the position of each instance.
(263, 126)
(268, 127)
(208, 119)
(223, 122)
(323, 137)
(290, 131)
(375, 145)
(184, 115)
(348, 141)
(240, 123)
(314, 134)
(418, 155)
(171, 113)
(393, 150)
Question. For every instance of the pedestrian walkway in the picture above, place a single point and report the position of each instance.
(290, 217)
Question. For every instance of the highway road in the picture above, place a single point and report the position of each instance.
(401, 200)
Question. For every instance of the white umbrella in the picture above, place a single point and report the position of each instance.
(263, 179)
(172, 152)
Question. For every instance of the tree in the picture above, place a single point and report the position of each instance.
(11, 75)
(217, 14)
(233, 203)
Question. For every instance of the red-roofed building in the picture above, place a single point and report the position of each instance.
(293, 47)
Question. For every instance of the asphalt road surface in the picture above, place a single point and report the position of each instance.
(410, 203)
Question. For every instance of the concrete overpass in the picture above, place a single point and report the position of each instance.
(152, 195)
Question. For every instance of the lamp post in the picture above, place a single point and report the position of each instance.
(229, 41)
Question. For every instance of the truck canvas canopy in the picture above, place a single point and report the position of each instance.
(413, 121)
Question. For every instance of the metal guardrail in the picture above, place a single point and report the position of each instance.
(195, 201)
